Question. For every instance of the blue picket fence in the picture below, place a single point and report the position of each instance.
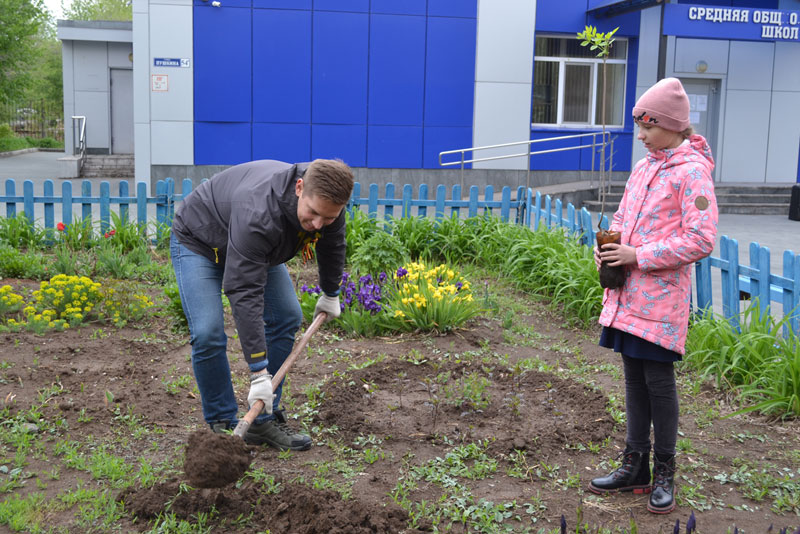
(524, 207)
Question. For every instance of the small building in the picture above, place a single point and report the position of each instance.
(386, 86)
(98, 84)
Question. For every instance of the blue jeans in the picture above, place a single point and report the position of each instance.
(200, 286)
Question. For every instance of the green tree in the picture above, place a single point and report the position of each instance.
(46, 80)
(21, 22)
(98, 10)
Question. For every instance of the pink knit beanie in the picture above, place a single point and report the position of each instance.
(665, 105)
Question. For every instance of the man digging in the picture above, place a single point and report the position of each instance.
(235, 232)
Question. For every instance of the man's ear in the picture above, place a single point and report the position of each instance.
(298, 188)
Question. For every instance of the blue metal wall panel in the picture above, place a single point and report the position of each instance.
(437, 140)
(358, 6)
(339, 75)
(450, 72)
(281, 66)
(761, 4)
(394, 147)
(454, 8)
(396, 69)
(222, 64)
(347, 142)
(227, 3)
(285, 142)
(282, 4)
(221, 143)
(628, 24)
(406, 7)
(558, 161)
(566, 16)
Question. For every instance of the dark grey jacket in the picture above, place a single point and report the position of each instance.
(245, 218)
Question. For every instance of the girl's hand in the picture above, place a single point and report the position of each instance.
(597, 257)
(614, 255)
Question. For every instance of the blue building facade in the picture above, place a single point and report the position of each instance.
(389, 85)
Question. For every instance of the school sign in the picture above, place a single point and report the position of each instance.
(744, 24)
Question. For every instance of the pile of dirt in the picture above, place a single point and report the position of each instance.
(295, 509)
(215, 460)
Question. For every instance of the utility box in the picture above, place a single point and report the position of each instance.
(794, 204)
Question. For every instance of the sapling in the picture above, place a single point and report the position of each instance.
(401, 377)
(431, 387)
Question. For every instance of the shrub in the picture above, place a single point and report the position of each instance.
(175, 309)
(7, 144)
(416, 235)
(122, 303)
(15, 264)
(47, 142)
(360, 227)
(22, 233)
(381, 252)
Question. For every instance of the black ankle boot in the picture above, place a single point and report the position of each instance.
(633, 475)
(662, 499)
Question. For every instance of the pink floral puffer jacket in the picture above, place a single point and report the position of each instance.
(669, 213)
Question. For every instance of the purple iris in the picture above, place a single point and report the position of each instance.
(401, 272)
(367, 293)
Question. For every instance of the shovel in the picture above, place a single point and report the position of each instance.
(258, 406)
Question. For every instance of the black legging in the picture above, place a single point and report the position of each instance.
(651, 396)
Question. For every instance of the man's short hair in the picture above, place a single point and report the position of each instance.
(331, 179)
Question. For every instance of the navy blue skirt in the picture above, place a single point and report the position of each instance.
(636, 347)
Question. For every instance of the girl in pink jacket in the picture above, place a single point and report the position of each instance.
(668, 220)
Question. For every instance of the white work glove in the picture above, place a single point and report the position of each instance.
(261, 389)
(329, 305)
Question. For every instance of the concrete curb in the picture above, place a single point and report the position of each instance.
(18, 152)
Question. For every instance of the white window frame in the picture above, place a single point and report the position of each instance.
(597, 65)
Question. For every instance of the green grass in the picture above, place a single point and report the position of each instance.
(754, 360)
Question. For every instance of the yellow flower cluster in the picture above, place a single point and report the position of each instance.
(9, 301)
(421, 285)
(66, 301)
(71, 298)
(120, 307)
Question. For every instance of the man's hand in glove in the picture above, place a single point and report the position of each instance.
(329, 305)
(261, 389)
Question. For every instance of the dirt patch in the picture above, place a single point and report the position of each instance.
(215, 460)
(540, 397)
(297, 509)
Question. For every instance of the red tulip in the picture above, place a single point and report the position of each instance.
(61, 227)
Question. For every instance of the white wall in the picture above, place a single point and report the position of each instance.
(163, 120)
(647, 68)
(503, 79)
(758, 130)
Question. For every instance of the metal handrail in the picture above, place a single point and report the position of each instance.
(528, 153)
(80, 149)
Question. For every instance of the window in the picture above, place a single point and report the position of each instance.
(568, 83)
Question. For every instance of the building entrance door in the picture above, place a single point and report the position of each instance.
(704, 109)
(121, 111)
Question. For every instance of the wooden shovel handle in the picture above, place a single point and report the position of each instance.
(258, 406)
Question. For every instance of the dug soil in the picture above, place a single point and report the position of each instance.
(376, 409)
